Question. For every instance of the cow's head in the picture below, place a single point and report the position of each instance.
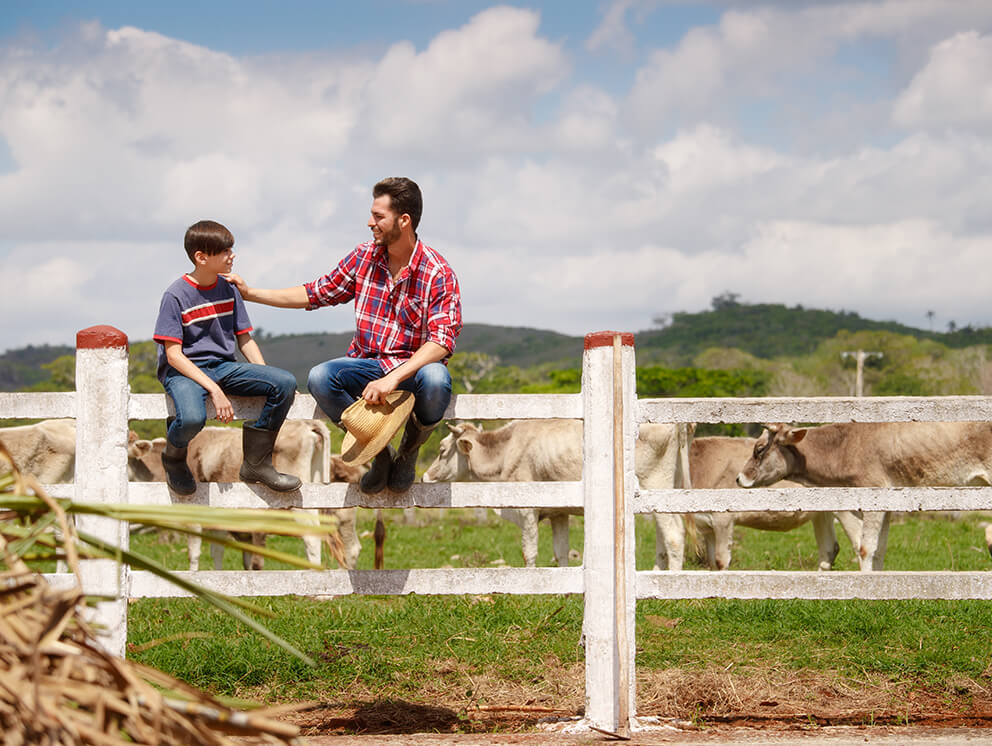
(144, 459)
(773, 458)
(452, 464)
(342, 471)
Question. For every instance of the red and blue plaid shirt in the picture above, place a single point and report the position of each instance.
(393, 319)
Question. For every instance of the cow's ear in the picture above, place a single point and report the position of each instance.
(464, 445)
(794, 436)
(141, 447)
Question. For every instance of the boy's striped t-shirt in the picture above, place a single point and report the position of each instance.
(205, 319)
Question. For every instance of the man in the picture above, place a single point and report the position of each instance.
(408, 316)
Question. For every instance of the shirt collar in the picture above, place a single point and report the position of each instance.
(415, 257)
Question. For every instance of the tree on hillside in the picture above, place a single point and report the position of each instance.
(468, 368)
(725, 301)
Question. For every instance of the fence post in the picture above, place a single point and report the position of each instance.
(608, 561)
(102, 394)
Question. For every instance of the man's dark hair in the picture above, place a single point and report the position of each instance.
(404, 196)
(207, 236)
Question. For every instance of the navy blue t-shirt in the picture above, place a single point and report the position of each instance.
(205, 319)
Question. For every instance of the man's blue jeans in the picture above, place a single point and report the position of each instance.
(338, 383)
(278, 386)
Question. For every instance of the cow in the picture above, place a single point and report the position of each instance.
(551, 450)
(47, 449)
(873, 454)
(215, 453)
(714, 463)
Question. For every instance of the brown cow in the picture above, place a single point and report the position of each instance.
(873, 454)
(215, 454)
(551, 451)
(714, 463)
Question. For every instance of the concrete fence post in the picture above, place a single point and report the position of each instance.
(608, 390)
(102, 393)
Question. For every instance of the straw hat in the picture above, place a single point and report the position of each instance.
(371, 426)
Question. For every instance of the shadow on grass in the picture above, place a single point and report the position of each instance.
(382, 717)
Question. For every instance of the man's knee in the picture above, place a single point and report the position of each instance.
(433, 393)
(316, 379)
(434, 379)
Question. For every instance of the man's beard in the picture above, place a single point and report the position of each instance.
(390, 237)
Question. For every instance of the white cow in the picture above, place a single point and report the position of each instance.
(302, 449)
(873, 454)
(551, 450)
(714, 463)
(46, 450)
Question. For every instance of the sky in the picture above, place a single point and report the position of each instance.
(585, 166)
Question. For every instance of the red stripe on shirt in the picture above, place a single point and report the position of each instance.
(208, 311)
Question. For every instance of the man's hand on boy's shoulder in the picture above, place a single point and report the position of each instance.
(237, 280)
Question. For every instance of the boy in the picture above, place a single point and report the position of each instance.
(201, 318)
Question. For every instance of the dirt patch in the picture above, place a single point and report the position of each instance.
(704, 703)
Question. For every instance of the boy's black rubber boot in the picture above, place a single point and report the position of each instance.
(177, 473)
(257, 465)
(374, 480)
(404, 468)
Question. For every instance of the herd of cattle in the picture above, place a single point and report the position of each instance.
(904, 454)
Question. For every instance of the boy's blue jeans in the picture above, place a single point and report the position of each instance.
(278, 386)
(338, 383)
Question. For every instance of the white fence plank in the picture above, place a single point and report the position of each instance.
(819, 409)
(902, 499)
(512, 406)
(38, 405)
(341, 495)
(447, 581)
(815, 585)
(462, 407)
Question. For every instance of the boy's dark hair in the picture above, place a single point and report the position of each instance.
(404, 196)
(207, 236)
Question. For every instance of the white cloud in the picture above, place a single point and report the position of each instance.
(954, 89)
(708, 158)
(761, 51)
(471, 89)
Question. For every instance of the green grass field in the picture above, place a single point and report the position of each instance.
(415, 647)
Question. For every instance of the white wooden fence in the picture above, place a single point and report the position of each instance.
(608, 494)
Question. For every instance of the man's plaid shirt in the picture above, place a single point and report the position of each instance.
(393, 319)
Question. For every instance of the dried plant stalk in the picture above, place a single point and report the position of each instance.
(58, 686)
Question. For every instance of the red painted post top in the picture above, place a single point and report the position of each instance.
(100, 337)
(605, 339)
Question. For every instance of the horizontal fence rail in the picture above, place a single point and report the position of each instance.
(565, 495)
(818, 409)
(899, 499)
(743, 584)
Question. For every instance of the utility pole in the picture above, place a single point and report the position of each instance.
(859, 378)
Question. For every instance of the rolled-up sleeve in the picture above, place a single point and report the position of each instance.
(444, 313)
(338, 286)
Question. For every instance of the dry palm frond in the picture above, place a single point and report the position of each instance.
(58, 685)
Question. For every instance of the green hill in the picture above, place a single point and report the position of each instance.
(763, 330)
(21, 368)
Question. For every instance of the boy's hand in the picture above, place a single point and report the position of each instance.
(225, 411)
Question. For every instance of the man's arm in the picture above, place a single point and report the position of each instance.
(430, 352)
(291, 297)
(178, 360)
